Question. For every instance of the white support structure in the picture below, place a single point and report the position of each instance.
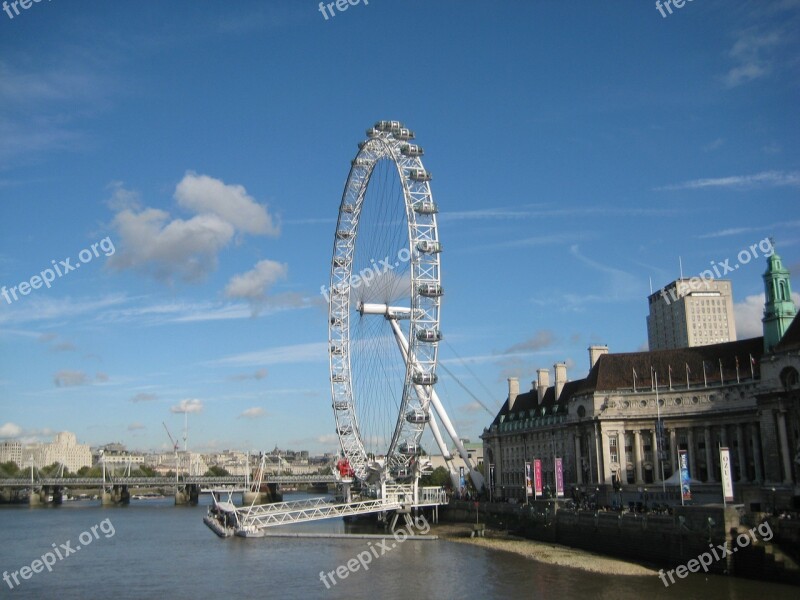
(477, 478)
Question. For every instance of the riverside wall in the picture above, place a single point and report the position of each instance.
(664, 541)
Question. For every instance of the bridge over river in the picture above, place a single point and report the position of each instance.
(115, 489)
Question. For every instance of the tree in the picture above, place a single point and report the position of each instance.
(439, 477)
(9, 470)
(216, 471)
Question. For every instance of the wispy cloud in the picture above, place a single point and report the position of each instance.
(752, 57)
(144, 397)
(759, 180)
(542, 339)
(294, 354)
(741, 230)
(252, 413)
(593, 210)
(66, 378)
(51, 309)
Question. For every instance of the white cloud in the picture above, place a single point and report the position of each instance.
(167, 250)
(253, 285)
(144, 397)
(151, 241)
(252, 413)
(203, 194)
(189, 405)
(10, 430)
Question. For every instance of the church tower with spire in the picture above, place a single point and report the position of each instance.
(779, 310)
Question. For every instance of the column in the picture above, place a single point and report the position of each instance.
(723, 436)
(578, 459)
(784, 443)
(741, 453)
(709, 458)
(692, 450)
(673, 449)
(605, 440)
(598, 451)
(756, 439)
(656, 458)
(637, 455)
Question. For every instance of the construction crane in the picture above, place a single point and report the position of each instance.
(175, 447)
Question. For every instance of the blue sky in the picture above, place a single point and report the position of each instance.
(578, 149)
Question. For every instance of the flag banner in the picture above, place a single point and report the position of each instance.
(491, 476)
(462, 482)
(528, 484)
(559, 478)
(683, 462)
(537, 477)
(727, 479)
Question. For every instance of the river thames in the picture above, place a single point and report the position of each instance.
(152, 549)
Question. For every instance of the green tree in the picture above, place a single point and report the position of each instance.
(216, 471)
(9, 470)
(439, 477)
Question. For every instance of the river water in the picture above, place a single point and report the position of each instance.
(152, 549)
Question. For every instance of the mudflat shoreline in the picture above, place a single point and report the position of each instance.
(544, 552)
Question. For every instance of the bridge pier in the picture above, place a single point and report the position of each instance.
(187, 494)
(115, 496)
(35, 498)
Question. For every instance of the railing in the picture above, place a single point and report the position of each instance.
(261, 517)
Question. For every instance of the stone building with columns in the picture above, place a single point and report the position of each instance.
(743, 395)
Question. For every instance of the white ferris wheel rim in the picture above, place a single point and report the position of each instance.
(388, 140)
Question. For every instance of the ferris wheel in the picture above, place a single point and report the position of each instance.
(384, 313)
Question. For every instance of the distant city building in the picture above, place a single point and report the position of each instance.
(11, 451)
(64, 450)
(691, 312)
(474, 451)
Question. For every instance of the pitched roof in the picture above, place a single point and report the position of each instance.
(615, 372)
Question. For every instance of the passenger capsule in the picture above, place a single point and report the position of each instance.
(419, 175)
(429, 335)
(408, 449)
(418, 416)
(372, 132)
(401, 133)
(424, 378)
(341, 405)
(344, 234)
(338, 377)
(430, 290)
(360, 162)
(426, 207)
(411, 150)
(348, 208)
(429, 247)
